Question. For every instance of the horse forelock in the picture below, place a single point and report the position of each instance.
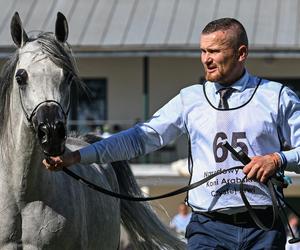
(60, 54)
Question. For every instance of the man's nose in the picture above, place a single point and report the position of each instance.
(206, 58)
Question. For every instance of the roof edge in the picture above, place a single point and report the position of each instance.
(159, 51)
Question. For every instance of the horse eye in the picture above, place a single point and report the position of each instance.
(21, 76)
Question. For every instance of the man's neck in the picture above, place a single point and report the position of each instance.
(234, 80)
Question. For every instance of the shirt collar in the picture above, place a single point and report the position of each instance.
(239, 85)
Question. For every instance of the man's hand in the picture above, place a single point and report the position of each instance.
(58, 162)
(261, 168)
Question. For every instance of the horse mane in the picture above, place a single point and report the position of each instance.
(5, 89)
(60, 54)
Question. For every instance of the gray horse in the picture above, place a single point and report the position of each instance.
(40, 209)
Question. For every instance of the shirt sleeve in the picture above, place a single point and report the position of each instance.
(124, 145)
(289, 120)
(163, 127)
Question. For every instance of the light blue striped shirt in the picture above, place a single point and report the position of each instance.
(168, 123)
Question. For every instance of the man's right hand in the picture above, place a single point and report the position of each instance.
(56, 163)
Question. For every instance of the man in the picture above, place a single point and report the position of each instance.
(180, 221)
(259, 116)
(294, 226)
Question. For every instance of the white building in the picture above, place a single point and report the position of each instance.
(137, 54)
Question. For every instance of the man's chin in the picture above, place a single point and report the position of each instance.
(212, 78)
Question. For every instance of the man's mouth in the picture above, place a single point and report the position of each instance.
(211, 69)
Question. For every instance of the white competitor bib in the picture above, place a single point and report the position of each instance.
(250, 126)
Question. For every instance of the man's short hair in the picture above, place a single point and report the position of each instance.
(226, 24)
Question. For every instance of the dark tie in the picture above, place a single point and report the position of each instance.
(224, 95)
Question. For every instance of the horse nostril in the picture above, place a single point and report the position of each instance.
(43, 132)
(60, 130)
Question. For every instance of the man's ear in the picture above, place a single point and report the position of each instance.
(242, 53)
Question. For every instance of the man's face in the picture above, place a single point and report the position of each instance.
(183, 209)
(220, 58)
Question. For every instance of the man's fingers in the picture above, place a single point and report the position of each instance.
(260, 174)
(248, 167)
(52, 164)
(56, 167)
(52, 160)
(47, 160)
(58, 162)
(264, 179)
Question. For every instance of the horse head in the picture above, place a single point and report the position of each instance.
(42, 79)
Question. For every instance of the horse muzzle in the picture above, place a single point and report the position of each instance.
(49, 122)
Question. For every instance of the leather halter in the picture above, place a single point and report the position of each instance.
(29, 116)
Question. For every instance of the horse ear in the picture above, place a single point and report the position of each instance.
(18, 34)
(61, 28)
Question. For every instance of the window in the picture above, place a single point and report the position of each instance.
(88, 107)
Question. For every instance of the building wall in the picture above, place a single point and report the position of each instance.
(124, 92)
(125, 82)
(169, 75)
(274, 67)
(166, 77)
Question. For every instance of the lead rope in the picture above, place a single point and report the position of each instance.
(243, 158)
(133, 198)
